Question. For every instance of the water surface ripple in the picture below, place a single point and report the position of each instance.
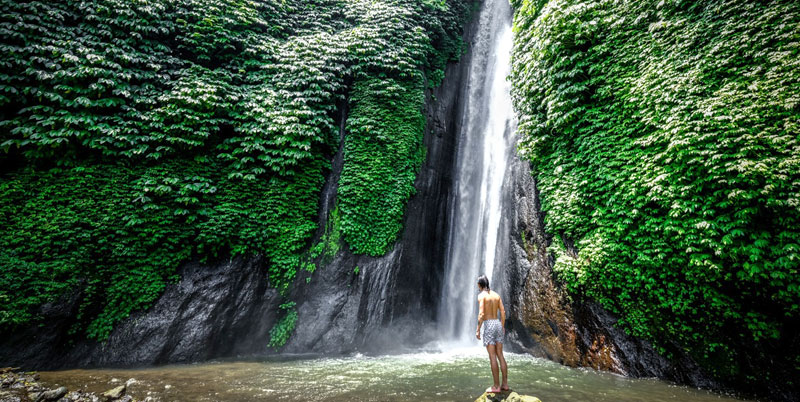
(454, 375)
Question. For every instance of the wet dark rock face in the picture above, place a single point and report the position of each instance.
(389, 304)
(545, 323)
(215, 310)
(227, 309)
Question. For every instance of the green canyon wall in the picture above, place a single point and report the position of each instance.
(664, 139)
(143, 141)
(138, 136)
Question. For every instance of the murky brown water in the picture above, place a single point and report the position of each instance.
(456, 375)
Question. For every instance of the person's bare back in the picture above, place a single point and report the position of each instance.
(490, 305)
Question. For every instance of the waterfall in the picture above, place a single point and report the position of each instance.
(486, 146)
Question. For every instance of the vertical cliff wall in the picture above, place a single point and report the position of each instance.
(215, 310)
(664, 142)
(545, 322)
(228, 308)
(386, 302)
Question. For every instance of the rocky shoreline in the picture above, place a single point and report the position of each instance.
(24, 386)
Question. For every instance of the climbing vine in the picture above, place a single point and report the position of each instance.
(665, 137)
(282, 331)
(140, 135)
(383, 153)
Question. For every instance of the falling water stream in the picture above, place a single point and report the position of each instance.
(485, 147)
(454, 369)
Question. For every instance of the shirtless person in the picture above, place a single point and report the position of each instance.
(493, 331)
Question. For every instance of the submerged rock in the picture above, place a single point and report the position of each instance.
(52, 395)
(114, 393)
(508, 396)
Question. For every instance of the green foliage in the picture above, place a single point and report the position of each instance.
(382, 153)
(330, 242)
(383, 148)
(666, 141)
(141, 135)
(122, 232)
(283, 329)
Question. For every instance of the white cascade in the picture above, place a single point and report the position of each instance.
(486, 146)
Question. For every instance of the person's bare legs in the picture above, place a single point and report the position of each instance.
(493, 361)
(503, 366)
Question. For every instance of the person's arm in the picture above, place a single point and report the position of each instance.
(481, 316)
(503, 315)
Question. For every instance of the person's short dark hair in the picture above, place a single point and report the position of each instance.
(483, 282)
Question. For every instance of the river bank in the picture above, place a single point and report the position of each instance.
(24, 386)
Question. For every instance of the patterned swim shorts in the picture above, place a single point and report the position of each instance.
(492, 332)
